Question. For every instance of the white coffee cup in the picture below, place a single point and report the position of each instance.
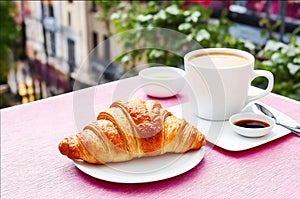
(220, 79)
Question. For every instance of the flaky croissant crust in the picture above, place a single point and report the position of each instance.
(131, 129)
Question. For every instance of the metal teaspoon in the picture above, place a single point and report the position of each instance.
(264, 110)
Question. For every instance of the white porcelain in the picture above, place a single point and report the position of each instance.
(223, 91)
(251, 132)
(162, 81)
(147, 169)
(221, 134)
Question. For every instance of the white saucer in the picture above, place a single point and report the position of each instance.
(221, 133)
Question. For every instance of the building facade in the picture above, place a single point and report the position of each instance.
(61, 43)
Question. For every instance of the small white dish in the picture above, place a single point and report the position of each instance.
(162, 81)
(251, 124)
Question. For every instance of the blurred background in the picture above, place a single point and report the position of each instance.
(44, 43)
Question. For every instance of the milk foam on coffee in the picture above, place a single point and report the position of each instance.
(218, 60)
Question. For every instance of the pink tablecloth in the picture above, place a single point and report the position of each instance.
(32, 167)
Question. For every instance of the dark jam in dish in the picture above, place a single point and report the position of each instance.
(249, 123)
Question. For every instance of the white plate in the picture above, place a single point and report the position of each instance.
(222, 134)
(148, 169)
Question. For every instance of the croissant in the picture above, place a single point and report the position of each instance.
(132, 129)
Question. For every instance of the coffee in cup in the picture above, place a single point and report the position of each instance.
(218, 59)
(220, 79)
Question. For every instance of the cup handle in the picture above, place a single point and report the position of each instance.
(269, 76)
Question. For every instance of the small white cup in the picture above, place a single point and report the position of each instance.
(162, 81)
(221, 87)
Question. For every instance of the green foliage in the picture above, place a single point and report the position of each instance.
(8, 37)
(107, 8)
(268, 28)
(196, 22)
(283, 60)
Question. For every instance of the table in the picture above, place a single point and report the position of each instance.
(32, 166)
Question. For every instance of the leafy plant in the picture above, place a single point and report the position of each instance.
(268, 29)
(283, 60)
(195, 22)
(8, 36)
(107, 8)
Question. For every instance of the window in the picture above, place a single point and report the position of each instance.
(51, 11)
(94, 6)
(95, 44)
(52, 43)
(106, 48)
(47, 9)
(43, 9)
(69, 19)
(71, 55)
(95, 39)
